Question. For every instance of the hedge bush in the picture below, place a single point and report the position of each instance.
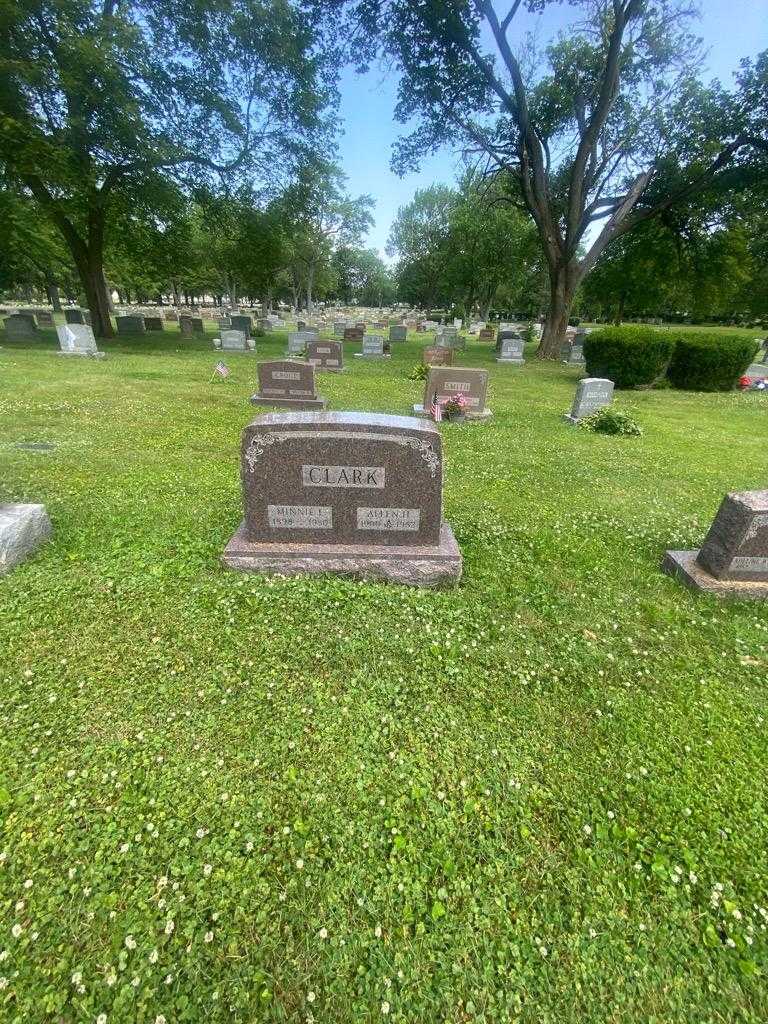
(710, 362)
(631, 356)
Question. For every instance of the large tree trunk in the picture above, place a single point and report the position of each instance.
(562, 288)
(310, 279)
(108, 293)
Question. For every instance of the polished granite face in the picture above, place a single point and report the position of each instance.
(736, 547)
(449, 382)
(355, 479)
(325, 355)
(433, 356)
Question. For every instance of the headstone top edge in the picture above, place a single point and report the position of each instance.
(754, 501)
(344, 419)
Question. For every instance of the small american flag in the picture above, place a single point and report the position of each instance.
(221, 369)
(436, 409)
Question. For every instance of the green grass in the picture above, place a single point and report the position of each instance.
(540, 797)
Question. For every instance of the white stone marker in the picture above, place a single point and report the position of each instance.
(23, 528)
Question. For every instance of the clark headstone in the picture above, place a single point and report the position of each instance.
(354, 494)
(733, 560)
(326, 356)
(288, 384)
(592, 393)
(449, 382)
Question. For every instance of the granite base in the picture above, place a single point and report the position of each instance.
(87, 355)
(291, 403)
(418, 566)
(511, 362)
(475, 417)
(683, 565)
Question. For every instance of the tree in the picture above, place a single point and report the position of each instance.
(32, 253)
(363, 276)
(101, 102)
(320, 217)
(420, 237)
(582, 130)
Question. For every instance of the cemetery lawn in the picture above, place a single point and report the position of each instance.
(540, 797)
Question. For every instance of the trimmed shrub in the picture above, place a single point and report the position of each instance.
(710, 362)
(631, 356)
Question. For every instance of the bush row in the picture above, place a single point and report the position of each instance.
(638, 356)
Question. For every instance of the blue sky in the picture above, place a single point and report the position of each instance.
(731, 29)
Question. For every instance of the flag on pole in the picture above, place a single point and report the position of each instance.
(221, 369)
(436, 409)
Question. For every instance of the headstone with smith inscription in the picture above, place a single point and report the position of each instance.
(733, 560)
(288, 384)
(326, 356)
(592, 393)
(353, 494)
(443, 383)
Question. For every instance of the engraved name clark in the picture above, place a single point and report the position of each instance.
(343, 476)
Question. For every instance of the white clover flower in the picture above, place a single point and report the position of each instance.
(385, 1008)
(169, 926)
(543, 950)
(101, 1019)
(377, 931)
(209, 936)
(311, 997)
(248, 847)
(125, 847)
(135, 981)
(160, 1019)
(729, 942)
(16, 931)
(3, 983)
(299, 863)
(587, 830)
(323, 933)
(201, 833)
(207, 869)
(111, 978)
(130, 942)
(28, 883)
(154, 956)
(77, 977)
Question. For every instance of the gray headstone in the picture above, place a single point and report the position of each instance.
(44, 318)
(511, 351)
(77, 340)
(398, 332)
(74, 316)
(242, 323)
(23, 528)
(289, 384)
(153, 323)
(234, 341)
(20, 327)
(373, 347)
(592, 393)
(351, 493)
(130, 324)
(733, 560)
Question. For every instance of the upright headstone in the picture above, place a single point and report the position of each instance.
(234, 341)
(572, 352)
(398, 332)
(355, 494)
(77, 340)
(153, 323)
(592, 393)
(23, 528)
(185, 325)
(298, 341)
(733, 560)
(339, 327)
(432, 356)
(20, 327)
(243, 323)
(485, 334)
(326, 356)
(171, 316)
(511, 351)
(45, 318)
(130, 324)
(354, 333)
(443, 383)
(198, 327)
(74, 316)
(373, 348)
(288, 384)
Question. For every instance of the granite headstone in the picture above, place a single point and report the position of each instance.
(448, 382)
(592, 393)
(288, 384)
(326, 356)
